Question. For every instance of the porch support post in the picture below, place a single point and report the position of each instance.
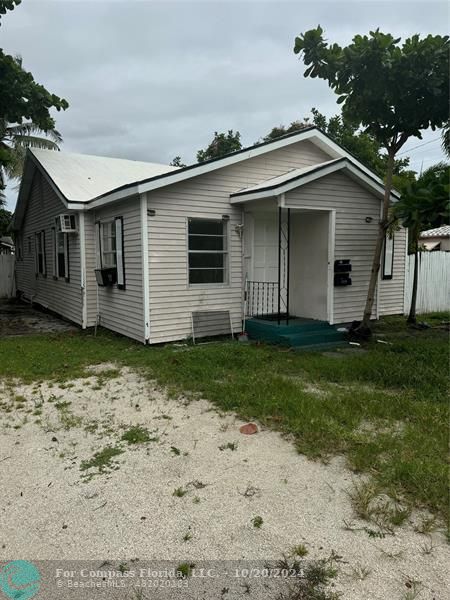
(288, 258)
(279, 263)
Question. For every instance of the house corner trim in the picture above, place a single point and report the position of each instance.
(82, 234)
(145, 268)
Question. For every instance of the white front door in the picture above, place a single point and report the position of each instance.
(265, 248)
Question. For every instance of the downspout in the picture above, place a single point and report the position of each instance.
(82, 234)
(145, 268)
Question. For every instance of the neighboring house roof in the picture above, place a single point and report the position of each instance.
(443, 231)
(105, 180)
(298, 177)
(7, 241)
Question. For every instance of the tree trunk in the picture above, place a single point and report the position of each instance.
(364, 328)
(412, 311)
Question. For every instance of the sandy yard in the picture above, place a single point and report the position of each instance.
(190, 492)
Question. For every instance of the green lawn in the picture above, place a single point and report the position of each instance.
(385, 408)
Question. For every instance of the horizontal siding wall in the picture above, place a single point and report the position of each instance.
(121, 310)
(91, 283)
(57, 295)
(171, 299)
(392, 291)
(355, 239)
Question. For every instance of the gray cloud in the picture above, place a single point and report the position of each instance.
(149, 81)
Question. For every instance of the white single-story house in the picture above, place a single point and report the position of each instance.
(6, 245)
(281, 230)
(436, 239)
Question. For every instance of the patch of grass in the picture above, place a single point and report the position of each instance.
(184, 570)
(383, 408)
(179, 492)
(309, 580)
(371, 505)
(102, 461)
(426, 525)
(301, 550)
(187, 537)
(229, 446)
(175, 450)
(18, 399)
(138, 435)
(257, 522)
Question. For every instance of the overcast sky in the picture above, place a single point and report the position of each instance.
(151, 80)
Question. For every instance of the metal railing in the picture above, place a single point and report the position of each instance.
(262, 298)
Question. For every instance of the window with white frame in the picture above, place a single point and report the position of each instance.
(388, 257)
(110, 248)
(108, 244)
(60, 252)
(208, 251)
(40, 258)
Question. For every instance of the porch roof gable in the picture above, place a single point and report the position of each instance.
(298, 177)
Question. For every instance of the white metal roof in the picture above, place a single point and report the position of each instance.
(443, 231)
(279, 180)
(82, 177)
(281, 184)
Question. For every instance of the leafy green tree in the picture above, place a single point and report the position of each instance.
(222, 143)
(362, 145)
(6, 5)
(277, 132)
(424, 205)
(5, 221)
(176, 162)
(394, 91)
(24, 111)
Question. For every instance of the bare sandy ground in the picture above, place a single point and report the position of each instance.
(50, 509)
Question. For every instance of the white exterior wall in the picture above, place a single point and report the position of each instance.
(58, 295)
(392, 291)
(171, 299)
(354, 238)
(119, 310)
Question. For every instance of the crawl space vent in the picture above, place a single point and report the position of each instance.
(209, 323)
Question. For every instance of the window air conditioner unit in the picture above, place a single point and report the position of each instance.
(68, 223)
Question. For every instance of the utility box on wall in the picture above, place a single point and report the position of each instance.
(106, 277)
(342, 270)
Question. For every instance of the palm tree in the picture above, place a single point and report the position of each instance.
(14, 141)
(423, 205)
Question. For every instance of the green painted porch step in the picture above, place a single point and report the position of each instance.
(307, 338)
(298, 333)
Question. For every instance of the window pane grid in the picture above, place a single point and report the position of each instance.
(207, 241)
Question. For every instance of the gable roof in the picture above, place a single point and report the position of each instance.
(82, 177)
(118, 179)
(298, 177)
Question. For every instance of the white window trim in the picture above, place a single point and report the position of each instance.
(39, 240)
(226, 253)
(65, 237)
(117, 226)
(389, 257)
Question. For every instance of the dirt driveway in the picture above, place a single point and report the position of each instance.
(19, 318)
(108, 468)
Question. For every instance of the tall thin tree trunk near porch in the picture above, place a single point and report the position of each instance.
(412, 310)
(364, 328)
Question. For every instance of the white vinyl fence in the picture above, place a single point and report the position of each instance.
(7, 281)
(433, 290)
